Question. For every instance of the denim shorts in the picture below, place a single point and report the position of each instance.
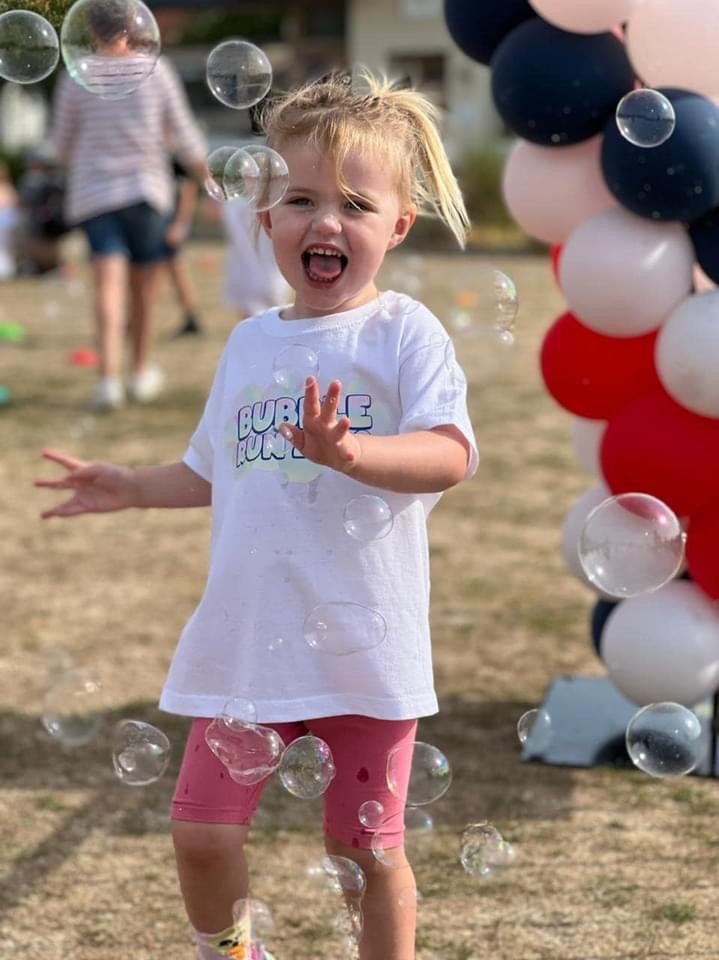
(136, 232)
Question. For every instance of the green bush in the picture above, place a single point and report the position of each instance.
(480, 176)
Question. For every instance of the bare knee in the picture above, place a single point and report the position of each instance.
(205, 845)
(366, 859)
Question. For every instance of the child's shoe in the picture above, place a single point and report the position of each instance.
(146, 385)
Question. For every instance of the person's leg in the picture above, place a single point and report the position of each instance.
(361, 747)
(110, 284)
(144, 283)
(185, 291)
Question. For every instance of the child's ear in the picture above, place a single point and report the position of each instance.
(403, 225)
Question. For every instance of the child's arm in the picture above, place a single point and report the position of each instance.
(424, 461)
(179, 228)
(104, 487)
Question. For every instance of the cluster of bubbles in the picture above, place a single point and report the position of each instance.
(645, 117)
(484, 851)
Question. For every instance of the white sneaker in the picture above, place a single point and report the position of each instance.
(146, 385)
(109, 394)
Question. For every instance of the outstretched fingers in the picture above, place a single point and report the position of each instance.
(328, 410)
(70, 463)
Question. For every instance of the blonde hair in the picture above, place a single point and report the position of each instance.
(375, 115)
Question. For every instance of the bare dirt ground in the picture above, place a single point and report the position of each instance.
(610, 864)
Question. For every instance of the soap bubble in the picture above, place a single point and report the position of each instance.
(483, 850)
(430, 774)
(253, 919)
(72, 708)
(110, 46)
(487, 305)
(645, 117)
(307, 767)
(292, 365)
(29, 48)
(140, 752)
(241, 176)
(274, 176)
(534, 728)
(631, 544)
(368, 517)
(239, 711)
(339, 628)
(238, 74)
(250, 752)
(216, 163)
(370, 814)
(345, 876)
(418, 835)
(664, 740)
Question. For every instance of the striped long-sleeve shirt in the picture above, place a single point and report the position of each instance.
(116, 151)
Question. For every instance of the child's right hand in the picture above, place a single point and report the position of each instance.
(98, 487)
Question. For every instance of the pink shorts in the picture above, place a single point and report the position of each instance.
(205, 793)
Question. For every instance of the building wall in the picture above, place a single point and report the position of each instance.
(384, 33)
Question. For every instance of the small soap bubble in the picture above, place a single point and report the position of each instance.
(254, 919)
(292, 365)
(240, 711)
(241, 176)
(486, 308)
(140, 752)
(340, 628)
(631, 544)
(483, 850)
(370, 814)
(216, 163)
(345, 876)
(665, 740)
(274, 176)
(430, 774)
(110, 48)
(307, 767)
(534, 728)
(29, 47)
(645, 117)
(250, 752)
(367, 517)
(238, 73)
(72, 708)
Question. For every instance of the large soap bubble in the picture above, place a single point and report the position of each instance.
(238, 74)
(664, 740)
(29, 48)
(110, 46)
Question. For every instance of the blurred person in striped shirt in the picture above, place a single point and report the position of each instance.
(121, 193)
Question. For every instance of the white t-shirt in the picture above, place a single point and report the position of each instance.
(280, 557)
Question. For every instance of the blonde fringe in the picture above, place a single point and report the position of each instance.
(374, 114)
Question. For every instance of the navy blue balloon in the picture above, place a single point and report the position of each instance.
(599, 616)
(479, 26)
(704, 235)
(679, 179)
(556, 88)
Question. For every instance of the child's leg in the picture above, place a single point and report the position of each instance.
(361, 747)
(388, 906)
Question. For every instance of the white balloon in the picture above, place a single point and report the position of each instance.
(586, 437)
(687, 354)
(623, 275)
(584, 16)
(664, 645)
(572, 528)
(550, 190)
(672, 43)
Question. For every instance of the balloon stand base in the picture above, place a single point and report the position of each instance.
(588, 719)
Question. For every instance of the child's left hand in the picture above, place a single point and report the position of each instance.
(323, 438)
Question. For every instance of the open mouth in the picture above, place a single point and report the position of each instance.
(324, 265)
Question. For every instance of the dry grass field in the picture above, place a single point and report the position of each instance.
(610, 864)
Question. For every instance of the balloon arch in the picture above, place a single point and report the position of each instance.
(634, 238)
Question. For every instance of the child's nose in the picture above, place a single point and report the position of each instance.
(327, 223)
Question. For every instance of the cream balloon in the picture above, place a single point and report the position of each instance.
(586, 437)
(687, 354)
(550, 190)
(672, 43)
(623, 275)
(572, 528)
(585, 16)
(664, 645)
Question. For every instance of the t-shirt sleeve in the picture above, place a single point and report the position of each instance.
(200, 453)
(433, 390)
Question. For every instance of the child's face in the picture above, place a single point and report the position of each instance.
(330, 246)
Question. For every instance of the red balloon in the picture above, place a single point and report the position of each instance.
(702, 540)
(555, 256)
(593, 375)
(655, 446)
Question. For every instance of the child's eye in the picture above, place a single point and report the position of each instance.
(299, 201)
(358, 205)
